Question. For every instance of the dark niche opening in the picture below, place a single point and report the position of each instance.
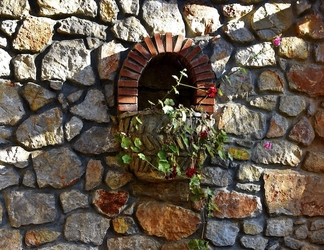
(156, 80)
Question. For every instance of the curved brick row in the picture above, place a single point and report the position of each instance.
(190, 56)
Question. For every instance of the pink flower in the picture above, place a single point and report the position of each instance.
(268, 145)
(212, 91)
(277, 41)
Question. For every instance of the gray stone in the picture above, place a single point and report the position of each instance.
(68, 60)
(201, 18)
(221, 54)
(271, 19)
(93, 43)
(10, 239)
(28, 207)
(292, 105)
(271, 80)
(129, 29)
(301, 232)
(57, 168)
(29, 179)
(97, 140)
(248, 187)
(86, 227)
(5, 134)
(49, 130)
(249, 173)
(15, 9)
(108, 10)
(279, 227)
(5, 59)
(222, 233)
(9, 26)
(215, 176)
(8, 177)
(237, 32)
(254, 242)
(252, 227)
(75, 96)
(24, 67)
(278, 126)
(78, 26)
(56, 85)
(267, 102)
(162, 16)
(301, 6)
(302, 132)
(37, 96)
(132, 242)
(237, 84)
(129, 7)
(68, 246)
(317, 224)
(15, 155)
(93, 107)
(234, 121)
(68, 7)
(257, 55)
(317, 237)
(293, 243)
(110, 95)
(73, 199)
(73, 128)
(282, 152)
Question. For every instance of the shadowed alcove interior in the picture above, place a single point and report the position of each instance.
(146, 73)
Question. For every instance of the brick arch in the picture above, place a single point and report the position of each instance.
(198, 67)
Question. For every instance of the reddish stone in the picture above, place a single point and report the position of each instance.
(312, 202)
(319, 123)
(110, 203)
(94, 173)
(303, 132)
(236, 205)
(311, 25)
(308, 79)
(314, 162)
(166, 220)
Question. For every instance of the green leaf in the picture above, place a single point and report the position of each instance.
(175, 77)
(175, 90)
(138, 120)
(142, 156)
(196, 147)
(126, 142)
(137, 142)
(162, 155)
(152, 103)
(167, 109)
(135, 149)
(163, 166)
(169, 102)
(185, 140)
(174, 149)
(127, 159)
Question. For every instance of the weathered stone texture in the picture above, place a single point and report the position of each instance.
(25, 67)
(74, 199)
(57, 168)
(222, 233)
(15, 9)
(15, 155)
(236, 205)
(319, 123)
(155, 219)
(27, 207)
(94, 174)
(49, 130)
(86, 227)
(11, 238)
(293, 47)
(116, 179)
(38, 39)
(8, 177)
(133, 242)
(279, 227)
(314, 161)
(303, 132)
(270, 80)
(311, 26)
(38, 237)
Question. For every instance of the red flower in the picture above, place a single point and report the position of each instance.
(173, 174)
(203, 134)
(212, 91)
(190, 172)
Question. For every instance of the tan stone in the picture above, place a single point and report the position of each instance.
(39, 237)
(34, 34)
(236, 205)
(116, 179)
(239, 154)
(312, 202)
(314, 161)
(166, 220)
(270, 80)
(94, 174)
(293, 47)
(283, 191)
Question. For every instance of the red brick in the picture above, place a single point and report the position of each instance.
(150, 46)
(178, 44)
(159, 43)
(168, 42)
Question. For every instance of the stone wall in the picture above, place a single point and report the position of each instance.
(61, 187)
